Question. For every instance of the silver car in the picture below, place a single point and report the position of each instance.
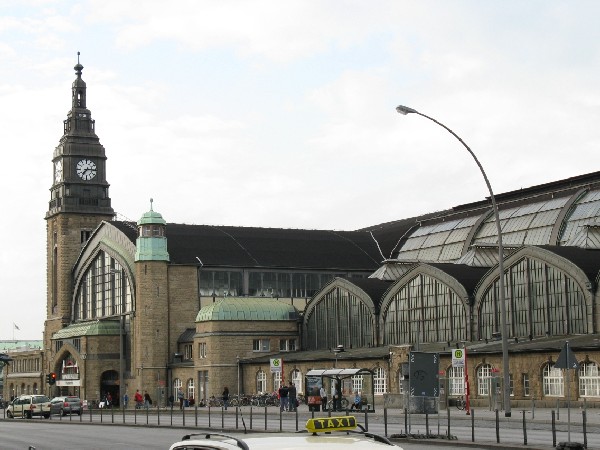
(68, 404)
(28, 406)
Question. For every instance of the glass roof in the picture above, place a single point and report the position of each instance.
(586, 211)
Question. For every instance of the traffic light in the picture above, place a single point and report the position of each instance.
(52, 378)
(48, 378)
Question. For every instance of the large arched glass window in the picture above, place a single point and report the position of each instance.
(104, 290)
(589, 380)
(261, 381)
(541, 300)
(339, 318)
(276, 380)
(176, 386)
(484, 379)
(424, 310)
(456, 381)
(379, 381)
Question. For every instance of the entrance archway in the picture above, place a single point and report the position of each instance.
(109, 384)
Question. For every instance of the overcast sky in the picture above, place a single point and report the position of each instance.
(282, 113)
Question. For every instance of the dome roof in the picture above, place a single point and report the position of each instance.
(152, 217)
(245, 308)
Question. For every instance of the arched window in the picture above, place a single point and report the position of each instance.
(357, 383)
(296, 377)
(176, 386)
(456, 381)
(191, 393)
(484, 379)
(104, 290)
(379, 381)
(276, 380)
(589, 380)
(541, 300)
(339, 317)
(424, 310)
(552, 381)
(261, 381)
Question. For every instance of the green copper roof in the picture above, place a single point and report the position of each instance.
(97, 328)
(244, 308)
(151, 217)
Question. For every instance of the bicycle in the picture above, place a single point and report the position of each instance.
(344, 403)
(461, 403)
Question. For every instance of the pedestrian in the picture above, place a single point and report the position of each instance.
(125, 400)
(323, 394)
(108, 399)
(283, 397)
(337, 396)
(292, 397)
(138, 399)
(225, 397)
(147, 400)
(180, 397)
(357, 401)
(171, 401)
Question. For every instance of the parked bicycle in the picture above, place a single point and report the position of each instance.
(344, 402)
(461, 403)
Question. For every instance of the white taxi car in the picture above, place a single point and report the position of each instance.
(340, 433)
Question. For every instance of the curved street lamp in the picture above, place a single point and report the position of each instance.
(404, 110)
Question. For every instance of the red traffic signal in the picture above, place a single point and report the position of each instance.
(52, 378)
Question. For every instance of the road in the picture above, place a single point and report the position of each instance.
(482, 423)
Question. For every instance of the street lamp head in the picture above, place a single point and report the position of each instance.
(404, 110)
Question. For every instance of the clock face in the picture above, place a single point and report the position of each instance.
(86, 169)
(58, 171)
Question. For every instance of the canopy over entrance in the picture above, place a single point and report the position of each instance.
(351, 382)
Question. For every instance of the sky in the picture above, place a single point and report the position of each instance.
(276, 113)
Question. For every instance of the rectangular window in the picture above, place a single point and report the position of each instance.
(287, 345)
(261, 345)
(526, 385)
(187, 351)
(202, 350)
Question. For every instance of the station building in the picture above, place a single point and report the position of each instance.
(158, 306)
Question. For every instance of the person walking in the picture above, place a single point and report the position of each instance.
(180, 397)
(226, 397)
(283, 397)
(138, 399)
(147, 400)
(125, 400)
(323, 394)
(292, 397)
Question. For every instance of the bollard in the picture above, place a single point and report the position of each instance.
(448, 413)
(208, 416)
(123, 410)
(183, 415)
(497, 427)
(101, 415)
(366, 422)
(250, 416)
(172, 414)
(112, 414)
(427, 424)
(472, 425)
(524, 430)
(533, 408)
(385, 422)
(557, 410)
(296, 410)
(158, 414)
(196, 415)
(135, 414)
(222, 418)
(584, 419)
(553, 429)
(265, 418)
(147, 412)
(280, 419)
(237, 422)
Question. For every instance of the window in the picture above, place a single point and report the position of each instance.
(276, 380)
(553, 381)
(456, 381)
(484, 379)
(261, 381)
(261, 345)
(379, 381)
(589, 380)
(188, 351)
(400, 382)
(190, 389)
(287, 345)
(296, 377)
(57, 345)
(202, 350)
(357, 383)
(526, 391)
(176, 385)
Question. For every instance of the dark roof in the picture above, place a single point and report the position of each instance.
(587, 260)
(466, 275)
(325, 357)
(227, 246)
(373, 287)
(187, 336)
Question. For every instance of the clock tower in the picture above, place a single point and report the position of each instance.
(79, 202)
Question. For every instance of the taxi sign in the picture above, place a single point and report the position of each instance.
(326, 424)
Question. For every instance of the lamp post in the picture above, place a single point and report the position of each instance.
(339, 349)
(505, 366)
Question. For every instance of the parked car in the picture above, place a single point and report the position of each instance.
(65, 405)
(29, 406)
